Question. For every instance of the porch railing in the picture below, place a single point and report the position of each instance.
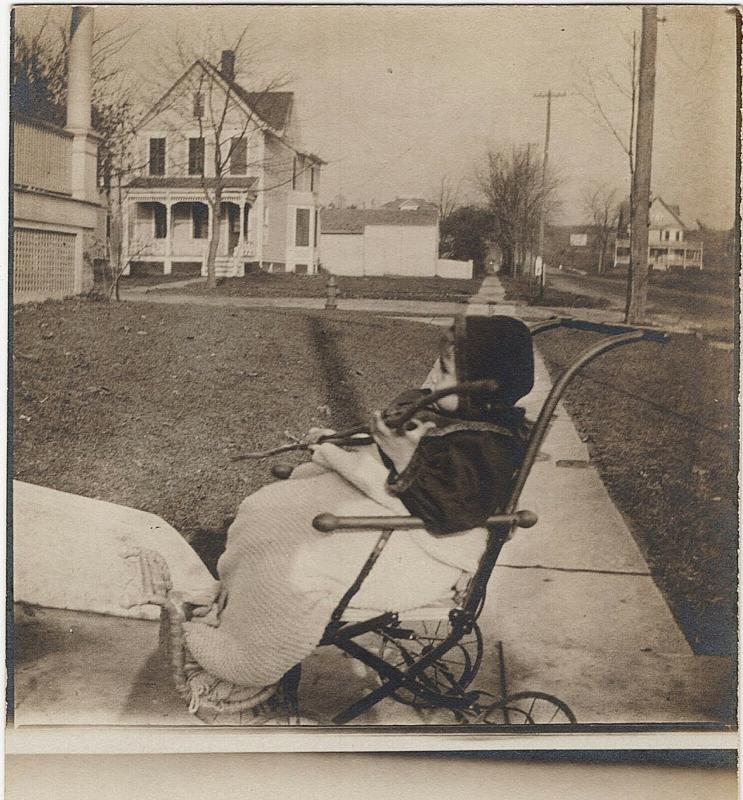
(42, 156)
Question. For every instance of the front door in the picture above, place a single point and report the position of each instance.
(233, 228)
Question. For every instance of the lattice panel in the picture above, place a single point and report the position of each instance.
(41, 157)
(43, 263)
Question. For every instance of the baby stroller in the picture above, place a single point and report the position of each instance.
(429, 657)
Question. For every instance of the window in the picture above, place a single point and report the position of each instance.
(666, 235)
(245, 221)
(300, 269)
(157, 156)
(314, 238)
(196, 156)
(198, 105)
(302, 228)
(200, 221)
(312, 179)
(159, 217)
(239, 156)
(578, 239)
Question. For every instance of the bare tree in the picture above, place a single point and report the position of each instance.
(601, 91)
(446, 196)
(230, 122)
(516, 193)
(601, 207)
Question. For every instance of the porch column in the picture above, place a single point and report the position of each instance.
(168, 264)
(125, 237)
(209, 229)
(241, 239)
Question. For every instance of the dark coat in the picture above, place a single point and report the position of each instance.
(461, 471)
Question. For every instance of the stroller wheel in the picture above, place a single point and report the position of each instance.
(448, 676)
(528, 708)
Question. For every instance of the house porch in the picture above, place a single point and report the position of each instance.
(175, 229)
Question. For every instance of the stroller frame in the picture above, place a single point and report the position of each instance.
(424, 679)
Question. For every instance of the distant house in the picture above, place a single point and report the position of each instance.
(269, 209)
(671, 246)
(411, 204)
(57, 211)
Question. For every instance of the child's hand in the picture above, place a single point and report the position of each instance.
(315, 434)
(398, 445)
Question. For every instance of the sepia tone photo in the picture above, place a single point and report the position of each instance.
(374, 368)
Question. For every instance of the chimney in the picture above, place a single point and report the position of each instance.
(228, 64)
(79, 80)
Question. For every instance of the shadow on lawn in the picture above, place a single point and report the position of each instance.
(347, 403)
(348, 408)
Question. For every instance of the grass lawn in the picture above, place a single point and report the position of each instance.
(528, 292)
(660, 424)
(384, 287)
(144, 405)
(699, 282)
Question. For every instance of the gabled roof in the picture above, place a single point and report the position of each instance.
(273, 108)
(672, 210)
(354, 220)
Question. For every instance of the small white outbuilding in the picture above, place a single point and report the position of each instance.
(383, 241)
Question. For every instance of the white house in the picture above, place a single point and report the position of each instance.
(385, 241)
(671, 244)
(56, 205)
(269, 186)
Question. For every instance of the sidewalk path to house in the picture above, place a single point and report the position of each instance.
(571, 600)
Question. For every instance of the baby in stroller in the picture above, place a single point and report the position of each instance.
(451, 466)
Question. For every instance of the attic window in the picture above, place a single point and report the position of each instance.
(198, 105)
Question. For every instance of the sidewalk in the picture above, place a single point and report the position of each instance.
(571, 600)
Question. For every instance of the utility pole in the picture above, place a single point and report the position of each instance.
(638, 289)
(549, 94)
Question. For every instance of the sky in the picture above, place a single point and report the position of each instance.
(397, 97)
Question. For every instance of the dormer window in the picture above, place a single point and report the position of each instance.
(157, 156)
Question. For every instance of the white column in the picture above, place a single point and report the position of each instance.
(168, 264)
(210, 222)
(125, 235)
(241, 240)
(79, 81)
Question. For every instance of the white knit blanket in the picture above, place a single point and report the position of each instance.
(283, 579)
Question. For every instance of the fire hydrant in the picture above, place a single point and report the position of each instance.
(331, 293)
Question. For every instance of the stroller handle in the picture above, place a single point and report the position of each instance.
(328, 523)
